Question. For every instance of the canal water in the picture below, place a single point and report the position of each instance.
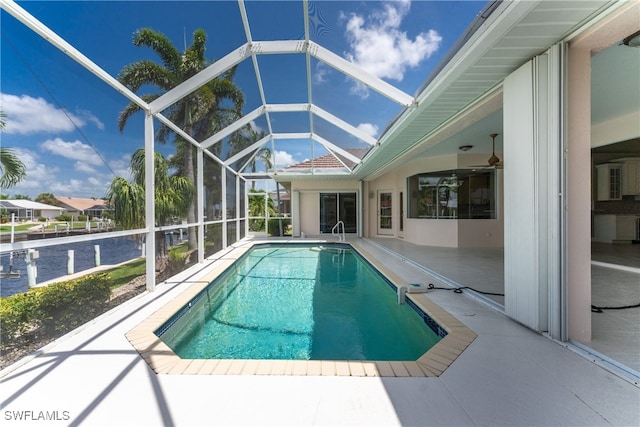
(52, 262)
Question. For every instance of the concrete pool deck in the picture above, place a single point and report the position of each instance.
(509, 375)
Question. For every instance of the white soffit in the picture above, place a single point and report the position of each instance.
(514, 33)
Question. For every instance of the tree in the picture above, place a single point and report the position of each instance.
(47, 199)
(172, 197)
(199, 113)
(20, 197)
(12, 169)
(257, 209)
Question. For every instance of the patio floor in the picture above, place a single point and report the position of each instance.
(509, 375)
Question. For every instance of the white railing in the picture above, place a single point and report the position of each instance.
(335, 231)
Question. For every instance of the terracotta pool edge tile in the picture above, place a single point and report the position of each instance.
(356, 368)
(264, 367)
(413, 369)
(384, 368)
(342, 368)
(371, 369)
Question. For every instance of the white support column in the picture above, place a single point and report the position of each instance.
(578, 206)
(200, 202)
(223, 203)
(238, 213)
(149, 197)
(360, 207)
(246, 209)
(295, 213)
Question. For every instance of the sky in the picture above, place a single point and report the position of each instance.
(62, 121)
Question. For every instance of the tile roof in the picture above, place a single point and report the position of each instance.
(330, 161)
(81, 204)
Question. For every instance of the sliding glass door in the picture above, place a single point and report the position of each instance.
(336, 207)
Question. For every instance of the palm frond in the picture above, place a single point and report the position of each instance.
(146, 72)
(131, 109)
(160, 44)
(13, 170)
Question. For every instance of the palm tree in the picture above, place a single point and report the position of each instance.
(199, 113)
(257, 210)
(12, 169)
(172, 197)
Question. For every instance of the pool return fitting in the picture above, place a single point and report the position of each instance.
(413, 288)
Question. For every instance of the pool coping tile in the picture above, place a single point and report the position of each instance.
(162, 360)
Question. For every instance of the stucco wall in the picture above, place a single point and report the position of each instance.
(310, 200)
(431, 232)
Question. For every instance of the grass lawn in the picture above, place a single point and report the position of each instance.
(7, 228)
(123, 274)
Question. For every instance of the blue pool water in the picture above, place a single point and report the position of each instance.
(300, 302)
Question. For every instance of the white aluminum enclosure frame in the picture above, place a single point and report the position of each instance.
(251, 49)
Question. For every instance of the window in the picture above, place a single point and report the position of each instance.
(455, 194)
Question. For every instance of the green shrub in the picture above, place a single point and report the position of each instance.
(274, 227)
(54, 309)
(82, 217)
(16, 315)
(42, 219)
(256, 225)
(64, 217)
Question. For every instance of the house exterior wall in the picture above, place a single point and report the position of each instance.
(309, 201)
(433, 232)
(50, 213)
(579, 200)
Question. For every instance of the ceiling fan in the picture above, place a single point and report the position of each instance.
(494, 161)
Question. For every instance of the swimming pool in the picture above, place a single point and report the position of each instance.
(173, 302)
(300, 302)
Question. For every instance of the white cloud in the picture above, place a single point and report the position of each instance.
(75, 150)
(28, 115)
(38, 175)
(379, 46)
(89, 117)
(369, 128)
(73, 187)
(97, 183)
(360, 90)
(84, 168)
(322, 73)
(43, 178)
(121, 167)
(283, 159)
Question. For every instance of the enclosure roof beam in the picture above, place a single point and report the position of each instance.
(334, 148)
(203, 77)
(247, 150)
(343, 125)
(357, 73)
(237, 125)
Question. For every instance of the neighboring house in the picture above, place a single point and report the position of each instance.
(74, 206)
(27, 210)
